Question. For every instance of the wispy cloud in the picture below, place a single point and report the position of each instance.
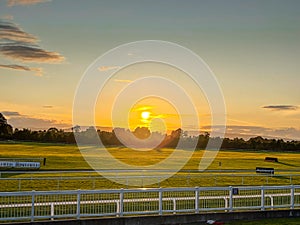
(17, 44)
(31, 54)
(12, 33)
(24, 2)
(122, 81)
(38, 71)
(106, 68)
(281, 107)
(48, 106)
(142, 108)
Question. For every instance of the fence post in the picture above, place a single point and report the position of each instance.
(230, 199)
(160, 203)
(52, 211)
(121, 204)
(174, 206)
(32, 205)
(78, 205)
(262, 198)
(292, 197)
(197, 199)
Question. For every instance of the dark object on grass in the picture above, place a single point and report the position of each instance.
(271, 159)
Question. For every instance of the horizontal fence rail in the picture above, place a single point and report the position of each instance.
(50, 205)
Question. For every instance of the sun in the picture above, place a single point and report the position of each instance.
(145, 115)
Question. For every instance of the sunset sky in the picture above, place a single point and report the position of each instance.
(253, 48)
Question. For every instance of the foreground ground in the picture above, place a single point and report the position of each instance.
(277, 221)
(289, 221)
(66, 157)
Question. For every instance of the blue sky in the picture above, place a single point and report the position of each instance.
(252, 47)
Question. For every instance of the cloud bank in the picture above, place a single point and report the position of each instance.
(11, 113)
(18, 120)
(17, 44)
(246, 132)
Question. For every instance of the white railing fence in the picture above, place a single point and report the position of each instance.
(45, 205)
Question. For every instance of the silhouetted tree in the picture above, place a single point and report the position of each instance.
(90, 136)
(6, 129)
(76, 128)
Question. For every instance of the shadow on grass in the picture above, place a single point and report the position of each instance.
(287, 164)
(8, 175)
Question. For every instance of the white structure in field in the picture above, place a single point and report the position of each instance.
(19, 165)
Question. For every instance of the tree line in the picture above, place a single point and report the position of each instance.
(112, 138)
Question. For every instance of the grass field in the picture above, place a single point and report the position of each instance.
(69, 157)
(64, 157)
(283, 221)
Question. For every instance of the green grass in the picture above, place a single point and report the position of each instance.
(58, 156)
(68, 157)
(63, 157)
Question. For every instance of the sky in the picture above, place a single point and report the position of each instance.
(252, 47)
